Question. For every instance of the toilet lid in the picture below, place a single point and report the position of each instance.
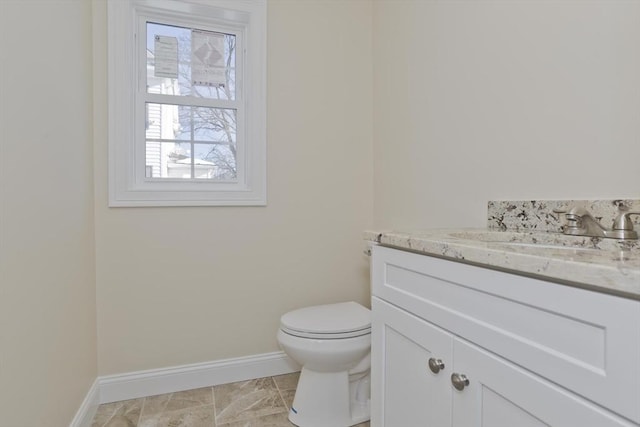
(331, 320)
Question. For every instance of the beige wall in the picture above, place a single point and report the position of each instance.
(185, 285)
(473, 101)
(47, 273)
(486, 100)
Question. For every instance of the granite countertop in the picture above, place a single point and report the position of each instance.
(604, 265)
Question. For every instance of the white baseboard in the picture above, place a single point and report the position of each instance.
(132, 385)
(84, 416)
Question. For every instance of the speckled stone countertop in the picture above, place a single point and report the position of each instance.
(604, 265)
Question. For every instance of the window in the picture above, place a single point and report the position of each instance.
(187, 104)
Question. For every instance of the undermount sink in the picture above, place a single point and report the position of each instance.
(535, 240)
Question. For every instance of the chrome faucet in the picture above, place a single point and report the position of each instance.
(581, 223)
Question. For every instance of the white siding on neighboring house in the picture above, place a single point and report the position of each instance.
(161, 124)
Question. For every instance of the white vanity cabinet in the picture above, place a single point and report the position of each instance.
(535, 353)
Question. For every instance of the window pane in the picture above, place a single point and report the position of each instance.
(190, 61)
(214, 124)
(217, 161)
(167, 121)
(173, 160)
(168, 160)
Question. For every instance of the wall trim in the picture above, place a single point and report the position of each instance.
(84, 416)
(132, 385)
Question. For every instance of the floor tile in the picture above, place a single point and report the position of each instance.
(174, 401)
(118, 414)
(200, 416)
(263, 402)
(247, 400)
(287, 396)
(273, 420)
(287, 381)
(287, 387)
(154, 405)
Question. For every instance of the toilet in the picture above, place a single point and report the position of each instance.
(332, 343)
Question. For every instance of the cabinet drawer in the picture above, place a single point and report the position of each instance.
(585, 341)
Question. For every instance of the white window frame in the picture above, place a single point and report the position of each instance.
(128, 185)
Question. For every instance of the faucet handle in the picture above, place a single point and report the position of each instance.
(573, 224)
(560, 212)
(623, 221)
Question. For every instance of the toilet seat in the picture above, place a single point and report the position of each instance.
(331, 321)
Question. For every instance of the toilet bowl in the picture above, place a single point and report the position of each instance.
(332, 343)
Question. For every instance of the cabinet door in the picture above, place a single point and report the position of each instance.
(405, 390)
(500, 394)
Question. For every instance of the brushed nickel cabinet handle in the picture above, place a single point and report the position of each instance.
(436, 365)
(459, 381)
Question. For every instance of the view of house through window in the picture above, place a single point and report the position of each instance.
(191, 104)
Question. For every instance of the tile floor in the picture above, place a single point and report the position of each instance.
(262, 402)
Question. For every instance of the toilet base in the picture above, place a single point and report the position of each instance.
(334, 399)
